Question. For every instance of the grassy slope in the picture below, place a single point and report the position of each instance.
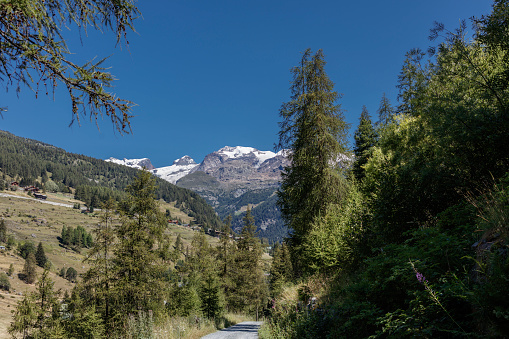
(36, 221)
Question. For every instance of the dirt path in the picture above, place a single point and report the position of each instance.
(244, 330)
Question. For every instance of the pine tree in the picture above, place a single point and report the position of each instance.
(37, 314)
(136, 260)
(250, 286)
(281, 269)
(40, 256)
(314, 132)
(3, 231)
(365, 138)
(29, 271)
(385, 112)
(47, 54)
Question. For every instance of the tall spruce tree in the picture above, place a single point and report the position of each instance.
(385, 112)
(29, 269)
(98, 279)
(250, 285)
(3, 231)
(40, 256)
(314, 132)
(365, 138)
(138, 267)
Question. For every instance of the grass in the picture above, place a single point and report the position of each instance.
(194, 328)
(32, 220)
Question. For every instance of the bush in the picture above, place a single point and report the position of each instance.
(5, 284)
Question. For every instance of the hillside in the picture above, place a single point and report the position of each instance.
(28, 219)
(93, 180)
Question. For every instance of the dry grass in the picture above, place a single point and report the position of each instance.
(32, 220)
(194, 328)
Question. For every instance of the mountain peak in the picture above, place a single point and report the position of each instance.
(184, 161)
(135, 163)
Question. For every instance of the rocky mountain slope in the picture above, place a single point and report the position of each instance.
(231, 179)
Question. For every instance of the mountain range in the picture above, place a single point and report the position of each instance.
(231, 179)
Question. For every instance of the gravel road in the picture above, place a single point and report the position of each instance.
(245, 330)
(41, 201)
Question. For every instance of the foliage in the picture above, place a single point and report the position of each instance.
(3, 231)
(71, 274)
(431, 255)
(94, 180)
(33, 49)
(5, 284)
(29, 271)
(365, 138)
(136, 261)
(314, 133)
(40, 256)
(77, 237)
(24, 249)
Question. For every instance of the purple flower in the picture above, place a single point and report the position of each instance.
(420, 277)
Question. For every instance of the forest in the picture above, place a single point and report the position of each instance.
(138, 282)
(93, 181)
(412, 241)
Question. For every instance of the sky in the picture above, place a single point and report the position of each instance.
(207, 74)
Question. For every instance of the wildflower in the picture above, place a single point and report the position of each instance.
(420, 277)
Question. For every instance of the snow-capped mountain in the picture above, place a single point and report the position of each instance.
(180, 168)
(226, 165)
(135, 163)
(242, 164)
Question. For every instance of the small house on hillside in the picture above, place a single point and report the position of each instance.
(40, 196)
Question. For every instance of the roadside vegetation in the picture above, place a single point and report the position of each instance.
(412, 240)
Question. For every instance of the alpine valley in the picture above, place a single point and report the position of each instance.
(231, 180)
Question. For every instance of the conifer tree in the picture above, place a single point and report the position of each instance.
(385, 112)
(281, 269)
(365, 138)
(37, 314)
(40, 256)
(3, 231)
(29, 271)
(136, 260)
(314, 132)
(45, 58)
(250, 285)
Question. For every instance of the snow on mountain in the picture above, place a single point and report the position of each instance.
(135, 163)
(241, 151)
(180, 168)
(243, 160)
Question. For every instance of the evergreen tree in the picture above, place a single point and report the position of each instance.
(136, 261)
(3, 231)
(40, 256)
(37, 314)
(29, 269)
(281, 269)
(212, 299)
(26, 248)
(385, 112)
(365, 138)
(71, 274)
(250, 285)
(47, 53)
(24, 317)
(314, 132)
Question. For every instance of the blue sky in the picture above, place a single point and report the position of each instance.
(205, 74)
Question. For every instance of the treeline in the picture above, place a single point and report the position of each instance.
(137, 278)
(77, 237)
(413, 240)
(35, 163)
(266, 213)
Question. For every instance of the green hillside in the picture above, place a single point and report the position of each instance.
(52, 169)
